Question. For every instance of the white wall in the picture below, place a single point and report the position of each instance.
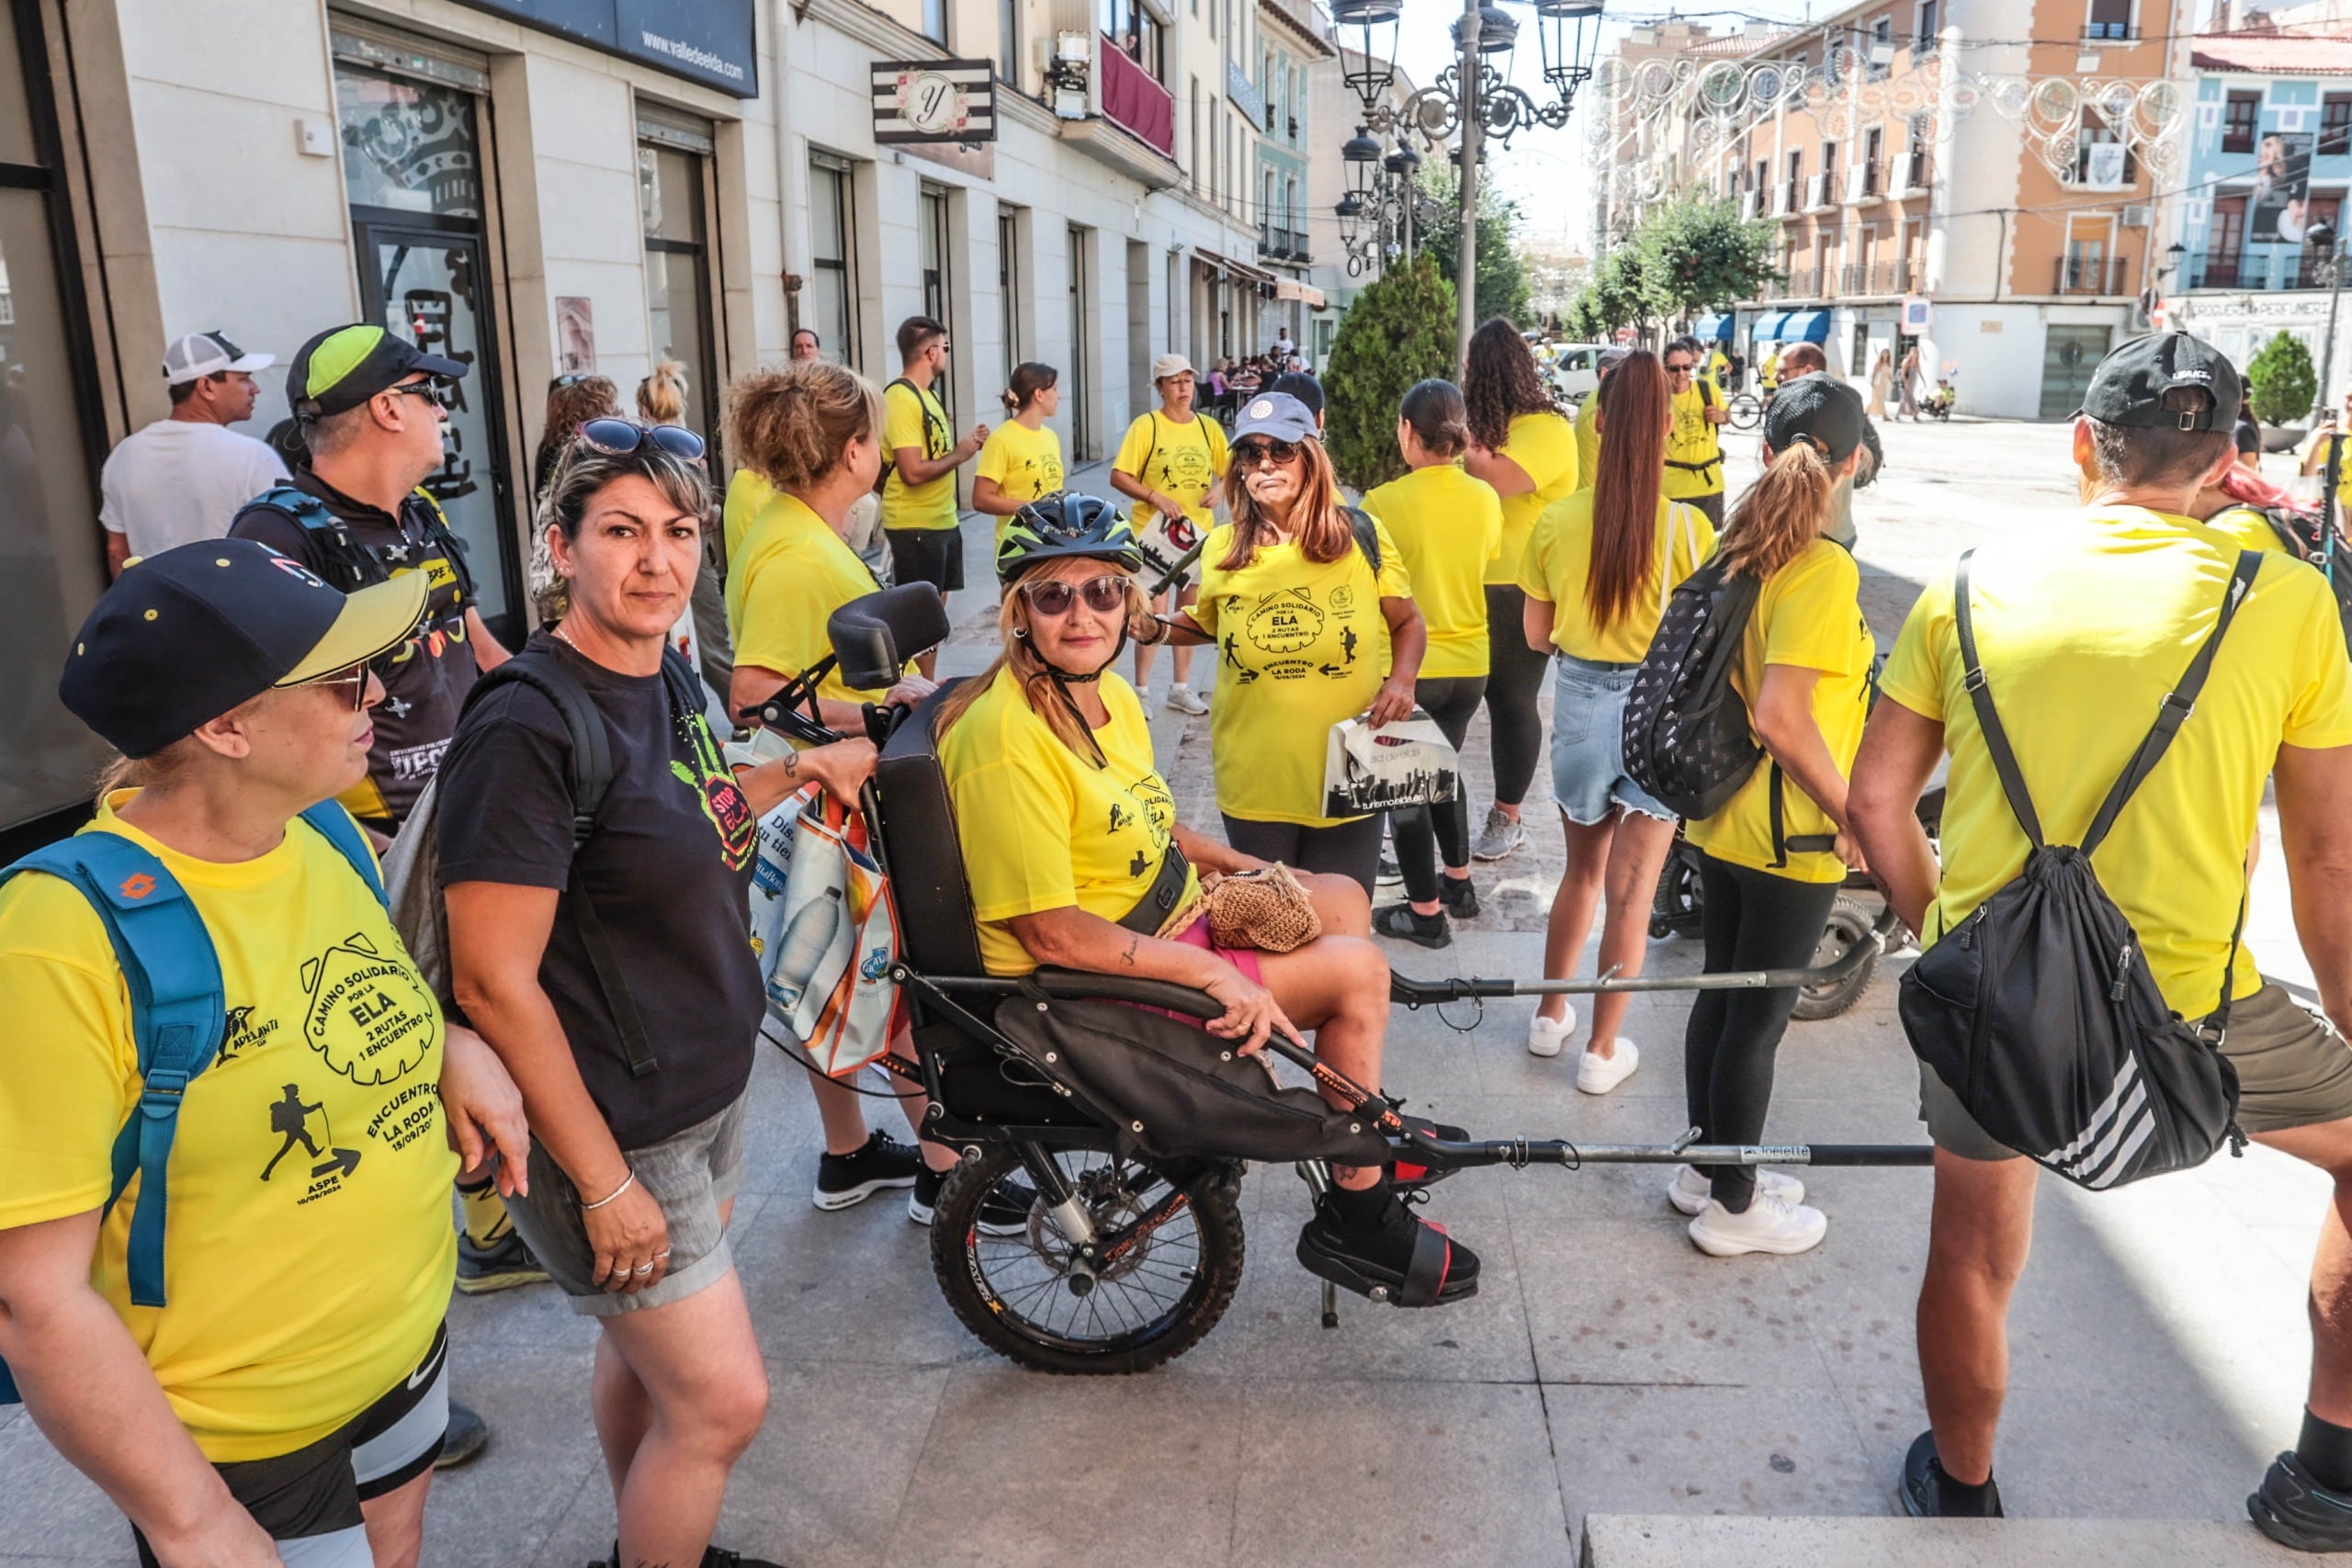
(2000, 371)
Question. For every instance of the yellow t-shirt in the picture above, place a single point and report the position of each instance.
(1448, 526)
(1181, 461)
(1545, 447)
(1301, 646)
(1559, 559)
(1807, 615)
(746, 494)
(2344, 473)
(917, 419)
(1025, 464)
(308, 1252)
(790, 574)
(2251, 531)
(2097, 620)
(1043, 827)
(1690, 439)
(1588, 441)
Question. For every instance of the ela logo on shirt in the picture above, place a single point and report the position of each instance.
(1285, 622)
(370, 1017)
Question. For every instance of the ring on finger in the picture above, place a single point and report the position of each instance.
(643, 1269)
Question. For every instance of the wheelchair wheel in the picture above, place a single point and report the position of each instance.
(1675, 907)
(1849, 924)
(1158, 1298)
(1747, 412)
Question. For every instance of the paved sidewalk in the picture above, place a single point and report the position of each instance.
(1605, 1367)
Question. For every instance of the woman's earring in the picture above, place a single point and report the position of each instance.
(1021, 631)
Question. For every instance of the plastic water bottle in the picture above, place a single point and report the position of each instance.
(805, 941)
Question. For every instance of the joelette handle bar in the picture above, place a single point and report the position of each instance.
(1421, 993)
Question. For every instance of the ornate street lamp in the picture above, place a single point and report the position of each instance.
(1374, 67)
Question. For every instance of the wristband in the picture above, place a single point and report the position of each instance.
(626, 1182)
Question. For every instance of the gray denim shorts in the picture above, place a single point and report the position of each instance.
(691, 1173)
(1589, 776)
(2293, 1070)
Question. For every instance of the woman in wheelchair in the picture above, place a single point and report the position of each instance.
(1075, 860)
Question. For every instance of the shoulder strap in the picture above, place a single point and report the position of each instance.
(2178, 706)
(314, 517)
(438, 525)
(177, 1014)
(334, 825)
(1988, 720)
(1706, 392)
(1676, 512)
(1367, 535)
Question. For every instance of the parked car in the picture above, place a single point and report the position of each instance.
(1575, 370)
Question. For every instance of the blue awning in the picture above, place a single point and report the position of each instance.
(1805, 326)
(1715, 328)
(1768, 327)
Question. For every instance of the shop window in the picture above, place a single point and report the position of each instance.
(931, 244)
(2238, 117)
(831, 310)
(673, 192)
(1008, 246)
(2335, 123)
(935, 21)
(1008, 41)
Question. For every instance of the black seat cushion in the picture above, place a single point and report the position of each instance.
(937, 932)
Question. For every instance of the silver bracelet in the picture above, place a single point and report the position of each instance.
(626, 1182)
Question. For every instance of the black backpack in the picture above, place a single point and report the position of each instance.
(1688, 743)
(2299, 532)
(2038, 1011)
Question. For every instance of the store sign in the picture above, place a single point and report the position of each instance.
(934, 100)
(710, 41)
(1915, 315)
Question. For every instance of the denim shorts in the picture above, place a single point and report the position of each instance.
(1588, 743)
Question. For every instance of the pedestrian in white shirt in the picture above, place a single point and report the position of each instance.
(183, 477)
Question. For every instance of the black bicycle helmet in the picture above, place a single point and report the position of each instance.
(1066, 522)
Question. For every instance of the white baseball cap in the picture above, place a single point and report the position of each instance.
(1169, 364)
(200, 355)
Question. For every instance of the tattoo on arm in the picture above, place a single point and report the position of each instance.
(1128, 957)
(792, 766)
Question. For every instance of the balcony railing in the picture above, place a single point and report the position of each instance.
(2263, 269)
(1133, 98)
(1275, 243)
(1751, 202)
(2109, 33)
(1819, 191)
(2088, 275)
(1863, 180)
(1803, 284)
(1792, 194)
(1854, 278)
(1916, 170)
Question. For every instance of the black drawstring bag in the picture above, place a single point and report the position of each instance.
(2038, 1011)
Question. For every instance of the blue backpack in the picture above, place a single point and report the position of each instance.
(178, 1006)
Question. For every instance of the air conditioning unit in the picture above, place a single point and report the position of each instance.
(2139, 217)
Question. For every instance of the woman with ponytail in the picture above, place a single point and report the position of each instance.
(1448, 526)
(1598, 568)
(1021, 460)
(1772, 859)
(662, 397)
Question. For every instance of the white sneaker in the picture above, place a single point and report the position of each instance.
(1183, 699)
(1546, 1036)
(1689, 1190)
(1767, 1225)
(1598, 1075)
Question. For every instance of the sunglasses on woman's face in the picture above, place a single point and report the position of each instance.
(351, 684)
(1258, 453)
(619, 437)
(1103, 594)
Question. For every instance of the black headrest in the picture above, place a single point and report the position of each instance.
(938, 933)
(873, 637)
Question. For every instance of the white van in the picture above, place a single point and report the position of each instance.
(1575, 370)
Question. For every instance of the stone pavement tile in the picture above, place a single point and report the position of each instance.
(50, 1510)
(1021, 1469)
(2294, 1246)
(1632, 1301)
(1708, 1450)
(1664, 1541)
(501, 1507)
(2267, 1188)
(820, 1487)
(1437, 1472)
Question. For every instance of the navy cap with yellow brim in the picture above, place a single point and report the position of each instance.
(184, 636)
(344, 366)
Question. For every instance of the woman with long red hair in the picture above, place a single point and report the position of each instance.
(1598, 568)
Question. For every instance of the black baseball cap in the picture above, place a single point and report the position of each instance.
(2130, 383)
(344, 366)
(1822, 413)
(1302, 386)
(184, 636)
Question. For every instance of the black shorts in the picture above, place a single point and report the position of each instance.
(309, 1500)
(927, 555)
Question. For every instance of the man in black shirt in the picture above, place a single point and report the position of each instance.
(370, 409)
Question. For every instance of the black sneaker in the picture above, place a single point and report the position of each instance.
(1407, 924)
(845, 1180)
(1390, 871)
(1459, 895)
(2293, 1509)
(467, 1435)
(1377, 1259)
(1005, 1212)
(502, 1265)
(1923, 1487)
(712, 1557)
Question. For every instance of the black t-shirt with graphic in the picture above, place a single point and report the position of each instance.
(669, 869)
(427, 681)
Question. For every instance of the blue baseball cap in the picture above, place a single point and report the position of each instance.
(1278, 415)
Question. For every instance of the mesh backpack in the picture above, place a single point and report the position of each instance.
(350, 564)
(2038, 1011)
(178, 1007)
(1687, 737)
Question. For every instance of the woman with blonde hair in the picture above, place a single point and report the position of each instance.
(1882, 383)
(1312, 614)
(662, 397)
(1598, 568)
(1771, 860)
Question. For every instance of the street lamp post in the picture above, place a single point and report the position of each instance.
(2323, 237)
(1468, 34)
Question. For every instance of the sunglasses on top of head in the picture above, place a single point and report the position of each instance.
(619, 437)
(1255, 452)
(1053, 598)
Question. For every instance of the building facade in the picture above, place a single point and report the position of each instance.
(1296, 36)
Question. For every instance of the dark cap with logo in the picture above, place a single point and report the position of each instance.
(344, 366)
(2130, 385)
(1824, 415)
(184, 636)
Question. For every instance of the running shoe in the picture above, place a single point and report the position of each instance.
(1380, 1255)
(1597, 1074)
(1405, 924)
(1767, 1225)
(1924, 1479)
(1459, 895)
(1689, 1192)
(502, 1265)
(467, 1435)
(845, 1180)
(1546, 1036)
(1390, 874)
(1500, 838)
(2293, 1509)
(1005, 1212)
(712, 1557)
(1183, 699)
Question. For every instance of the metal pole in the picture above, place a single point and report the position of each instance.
(1465, 272)
(2327, 346)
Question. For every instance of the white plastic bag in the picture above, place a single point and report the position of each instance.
(1409, 763)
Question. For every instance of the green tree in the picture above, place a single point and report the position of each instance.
(1617, 296)
(1696, 255)
(2281, 380)
(1399, 330)
(1502, 276)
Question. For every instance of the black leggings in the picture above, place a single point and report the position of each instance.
(1423, 831)
(1514, 680)
(1752, 920)
(1348, 849)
